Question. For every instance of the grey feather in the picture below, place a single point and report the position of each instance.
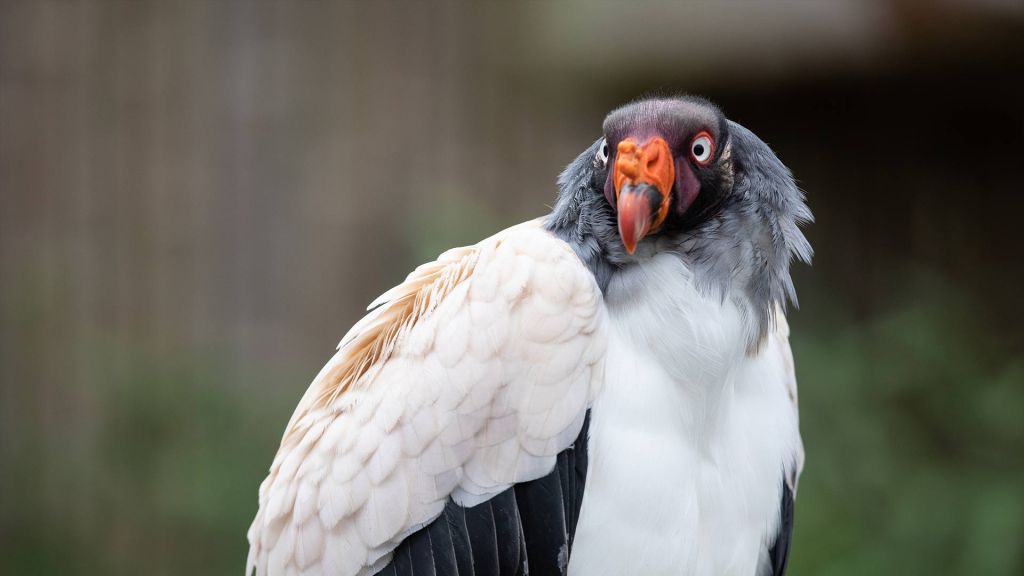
(745, 251)
(583, 218)
(740, 248)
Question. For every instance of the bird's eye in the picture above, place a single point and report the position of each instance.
(601, 159)
(702, 148)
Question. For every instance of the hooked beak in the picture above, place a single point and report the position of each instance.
(643, 178)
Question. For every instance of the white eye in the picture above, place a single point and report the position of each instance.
(601, 158)
(702, 148)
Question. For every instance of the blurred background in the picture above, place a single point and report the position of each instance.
(197, 199)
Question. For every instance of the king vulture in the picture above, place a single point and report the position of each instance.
(606, 390)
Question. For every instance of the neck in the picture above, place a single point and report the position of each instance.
(740, 251)
(583, 219)
(730, 256)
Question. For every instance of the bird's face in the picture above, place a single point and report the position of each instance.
(674, 176)
(664, 165)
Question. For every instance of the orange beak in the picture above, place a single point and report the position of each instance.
(643, 178)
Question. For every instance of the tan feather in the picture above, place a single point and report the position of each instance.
(435, 394)
(371, 341)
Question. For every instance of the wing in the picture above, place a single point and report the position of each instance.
(529, 527)
(467, 379)
(778, 554)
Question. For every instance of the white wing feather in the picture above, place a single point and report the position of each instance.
(467, 378)
(781, 336)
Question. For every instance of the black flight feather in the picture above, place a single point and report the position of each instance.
(526, 529)
(779, 554)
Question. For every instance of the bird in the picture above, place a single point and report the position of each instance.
(605, 390)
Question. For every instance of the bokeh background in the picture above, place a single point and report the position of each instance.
(197, 199)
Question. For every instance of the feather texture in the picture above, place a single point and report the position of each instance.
(691, 436)
(517, 532)
(778, 556)
(471, 376)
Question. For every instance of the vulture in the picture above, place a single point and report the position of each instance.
(605, 390)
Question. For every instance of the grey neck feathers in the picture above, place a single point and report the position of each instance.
(742, 251)
(584, 219)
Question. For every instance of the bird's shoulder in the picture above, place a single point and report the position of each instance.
(470, 376)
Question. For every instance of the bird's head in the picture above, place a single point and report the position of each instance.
(660, 157)
(675, 175)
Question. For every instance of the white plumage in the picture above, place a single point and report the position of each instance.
(471, 376)
(684, 434)
(450, 435)
(491, 380)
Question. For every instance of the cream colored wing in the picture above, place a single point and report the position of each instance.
(781, 336)
(469, 377)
